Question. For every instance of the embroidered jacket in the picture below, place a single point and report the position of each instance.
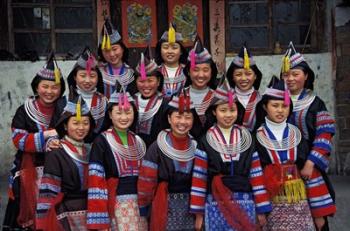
(247, 115)
(174, 85)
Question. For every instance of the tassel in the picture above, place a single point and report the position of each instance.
(188, 104)
(171, 34)
(57, 75)
(142, 67)
(294, 190)
(103, 45)
(286, 64)
(108, 43)
(286, 95)
(89, 64)
(181, 104)
(193, 59)
(230, 99)
(126, 102)
(246, 62)
(78, 110)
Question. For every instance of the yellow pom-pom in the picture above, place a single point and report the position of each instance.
(246, 62)
(78, 110)
(103, 45)
(108, 43)
(57, 75)
(171, 34)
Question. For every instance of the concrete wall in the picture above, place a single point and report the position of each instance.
(15, 79)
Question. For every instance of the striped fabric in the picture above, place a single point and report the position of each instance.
(49, 188)
(261, 197)
(28, 142)
(199, 182)
(97, 216)
(320, 201)
(146, 185)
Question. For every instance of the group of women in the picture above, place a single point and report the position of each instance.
(168, 145)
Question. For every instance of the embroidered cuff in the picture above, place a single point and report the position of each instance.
(321, 161)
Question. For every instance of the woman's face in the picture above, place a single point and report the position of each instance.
(180, 123)
(48, 91)
(86, 82)
(114, 55)
(170, 53)
(147, 87)
(200, 75)
(276, 110)
(226, 116)
(244, 79)
(121, 119)
(295, 80)
(78, 129)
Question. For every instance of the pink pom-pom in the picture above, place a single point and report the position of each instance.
(89, 64)
(126, 102)
(286, 95)
(230, 98)
(120, 104)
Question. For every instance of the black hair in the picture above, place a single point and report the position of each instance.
(125, 57)
(37, 79)
(158, 54)
(233, 67)
(213, 79)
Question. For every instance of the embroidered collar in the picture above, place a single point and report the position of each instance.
(291, 138)
(152, 107)
(135, 150)
(304, 101)
(124, 78)
(78, 151)
(164, 144)
(32, 109)
(240, 141)
(206, 101)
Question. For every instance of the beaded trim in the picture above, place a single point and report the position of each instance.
(31, 108)
(146, 115)
(293, 139)
(127, 152)
(172, 153)
(202, 107)
(74, 155)
(305, 102)
(240, 144)
(123, 79)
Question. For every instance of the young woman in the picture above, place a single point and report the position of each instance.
(62, 201)
(245, 77)
(201, 74)
(317, 126)
(30, 130)
(283, 153)
(171, 57)
(173, 174)
(113, 57)
(149, 100)
(85, 80)
(114, 169)
(236, 191)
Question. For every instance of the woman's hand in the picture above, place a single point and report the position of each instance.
(307, 170)
(50, 133)
(319, 222)
(53, 144)
(199, 222)
(262, 220)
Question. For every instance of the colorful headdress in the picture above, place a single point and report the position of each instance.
(50, 71)
(277, 89)
(146, 66)
(245, 60)
(171, 35)
(88, 62)
(109, 36)
(182, 102)
(224, 94)
(293, 60)
(76, 106)
(199, 54)
(122, 98)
